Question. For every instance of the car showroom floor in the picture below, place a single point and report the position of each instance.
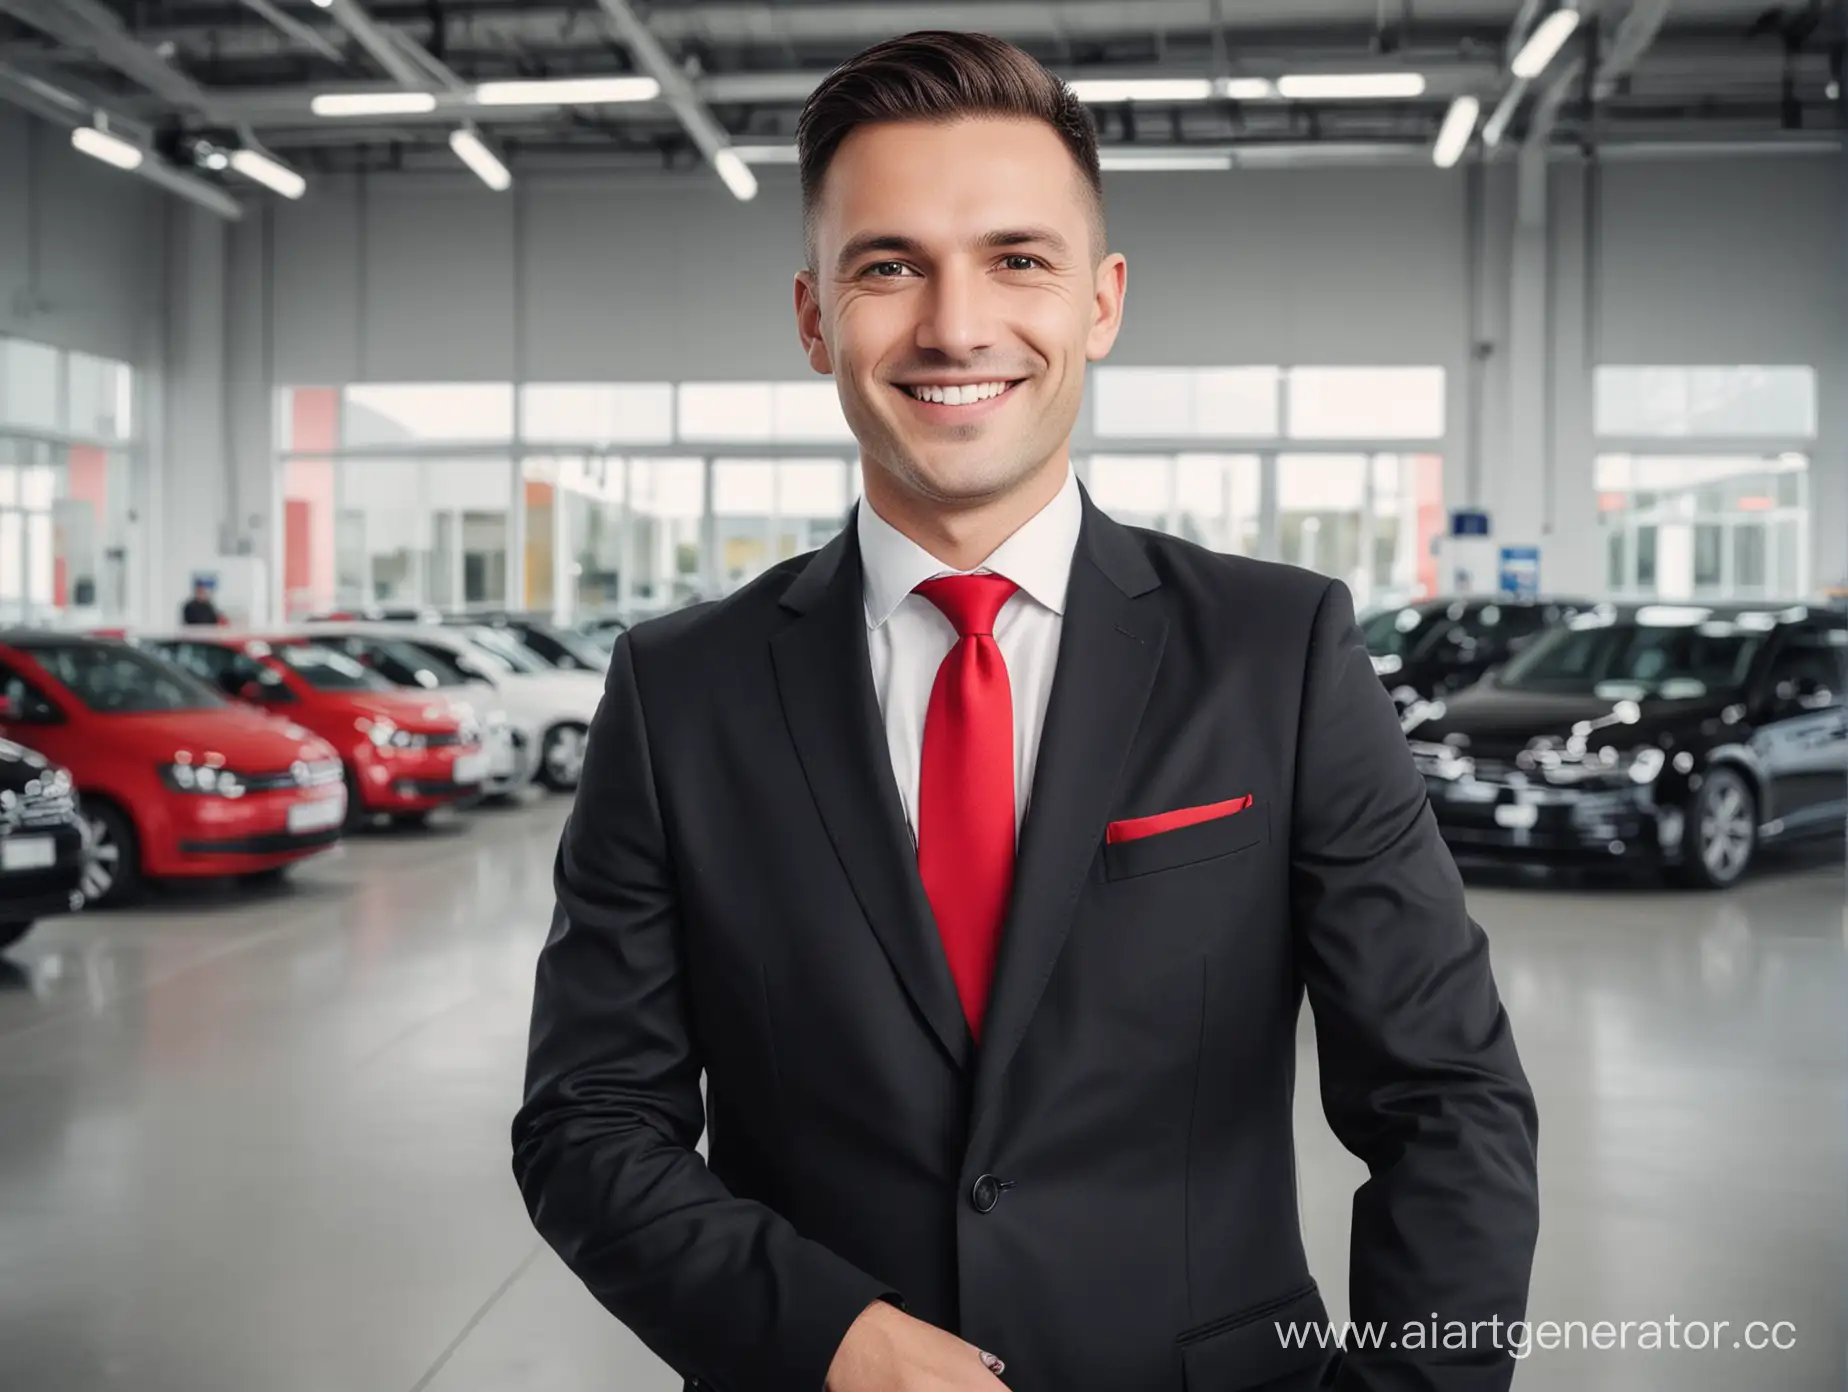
(262, 1143)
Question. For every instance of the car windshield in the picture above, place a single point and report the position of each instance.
(410, 665)
(1631, 660)
(508, 649)
(1395, 632)
(326, 670)
(586, 652)
(119, 680)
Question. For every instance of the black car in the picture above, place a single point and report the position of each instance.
(1679, 736)
(44, 845)
(556, 647)
(1435, 646)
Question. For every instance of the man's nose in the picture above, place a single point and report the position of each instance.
(957, 315)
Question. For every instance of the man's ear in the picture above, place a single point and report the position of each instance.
(808, 324)
(1107, 306)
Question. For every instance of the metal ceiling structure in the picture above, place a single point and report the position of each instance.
(190, 79)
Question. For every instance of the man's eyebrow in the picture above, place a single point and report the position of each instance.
(868, 242)
(1027, 236)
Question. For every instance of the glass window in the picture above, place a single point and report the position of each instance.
(807, 411)
(1710, 526)
(326, 670)
(101, 395)
(407, 413)
(1710, 401)
(1353, 403)
(30, 391)
(116, 680)
(638, 413)
(1321, 502)
(1673, 660)
(1184, 402)
(727, 411)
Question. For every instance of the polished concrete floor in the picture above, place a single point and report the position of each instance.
(260, 1144)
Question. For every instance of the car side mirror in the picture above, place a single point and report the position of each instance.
(253, 692)
(8, 710)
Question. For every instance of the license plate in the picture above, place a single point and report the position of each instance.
(317, 815)
(1516, 816)
(470, 768)
(28, 853)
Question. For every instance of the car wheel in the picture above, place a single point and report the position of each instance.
(11, 933)
(112, 875)
(356, 814)
(266, 879)
(1722, 831)
(410, 820)
(561, 757)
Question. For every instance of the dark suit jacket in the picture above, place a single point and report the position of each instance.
(738, 896)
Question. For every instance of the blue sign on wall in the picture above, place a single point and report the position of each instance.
(1469, 523)
(1520, 571)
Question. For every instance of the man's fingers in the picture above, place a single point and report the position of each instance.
(993, 1364)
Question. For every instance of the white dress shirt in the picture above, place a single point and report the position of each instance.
(908, 637)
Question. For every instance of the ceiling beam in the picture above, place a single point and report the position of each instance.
(379, 42)
(1628, 43)
(91, 26)
(304, 34)
(677, 91)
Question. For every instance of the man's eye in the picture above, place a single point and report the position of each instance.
(887, 270)
(1021, 263)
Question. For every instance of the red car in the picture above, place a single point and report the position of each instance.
(173, 780)
(404, 754)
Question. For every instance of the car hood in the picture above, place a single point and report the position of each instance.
(242, 737)
(19, 766)
(406, 709)
(1488, 720)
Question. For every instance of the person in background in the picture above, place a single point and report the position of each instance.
(200, 609)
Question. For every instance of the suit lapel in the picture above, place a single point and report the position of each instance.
(825, 679)
(1109, 649)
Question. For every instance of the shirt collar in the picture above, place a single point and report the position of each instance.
(1037, 557)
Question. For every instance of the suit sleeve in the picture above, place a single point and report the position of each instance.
(722, 1289)
(1419, 1073)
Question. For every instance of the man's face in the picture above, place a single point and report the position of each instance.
(956, 296)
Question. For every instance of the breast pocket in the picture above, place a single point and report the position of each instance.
(1188, 845)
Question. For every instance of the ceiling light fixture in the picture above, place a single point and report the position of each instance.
(736, 174)
(373, 104)
(473, 151)
(1459, 126)
(1350, 86)
(1150, 161)
(99, 144)
(1247, 88)
(1543, 45)
(767, 154)
(272, 173)
(1134, 89)
(568, 91)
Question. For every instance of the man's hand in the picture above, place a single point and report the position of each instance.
(887, 1350)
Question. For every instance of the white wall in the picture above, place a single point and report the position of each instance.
(79, 246)
(408, 278)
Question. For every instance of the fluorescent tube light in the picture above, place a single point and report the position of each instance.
(568, 91)
(473, 151)
(1543, 45)
(273, 174)
(736, 174)
(1350, 86)
(110, 149)
(1247, 88)
(1459, 126)
(766, 154)
(1132, 89)
(373, 104)
(1153, 160)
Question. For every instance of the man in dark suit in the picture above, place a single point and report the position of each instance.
(980, 862)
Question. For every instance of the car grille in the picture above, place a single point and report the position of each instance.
(320, 774)
(442, 740)
(36, 811)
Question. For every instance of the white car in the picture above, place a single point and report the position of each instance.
(552, 708)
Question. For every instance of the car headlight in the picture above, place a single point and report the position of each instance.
(1646, 763)
(380, 732)
(1441, 761)
(202, 779)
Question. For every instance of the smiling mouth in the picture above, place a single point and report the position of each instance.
(958, 395)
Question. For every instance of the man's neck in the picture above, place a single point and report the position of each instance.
(962, 537)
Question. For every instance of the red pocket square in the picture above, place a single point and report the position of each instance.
(1137, 827)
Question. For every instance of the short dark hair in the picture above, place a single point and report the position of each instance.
(940, 76)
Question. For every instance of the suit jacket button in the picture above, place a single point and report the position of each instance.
(985, 1194)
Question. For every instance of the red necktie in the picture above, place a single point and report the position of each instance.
(966, 786)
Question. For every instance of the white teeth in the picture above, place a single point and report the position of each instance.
(959, 396)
